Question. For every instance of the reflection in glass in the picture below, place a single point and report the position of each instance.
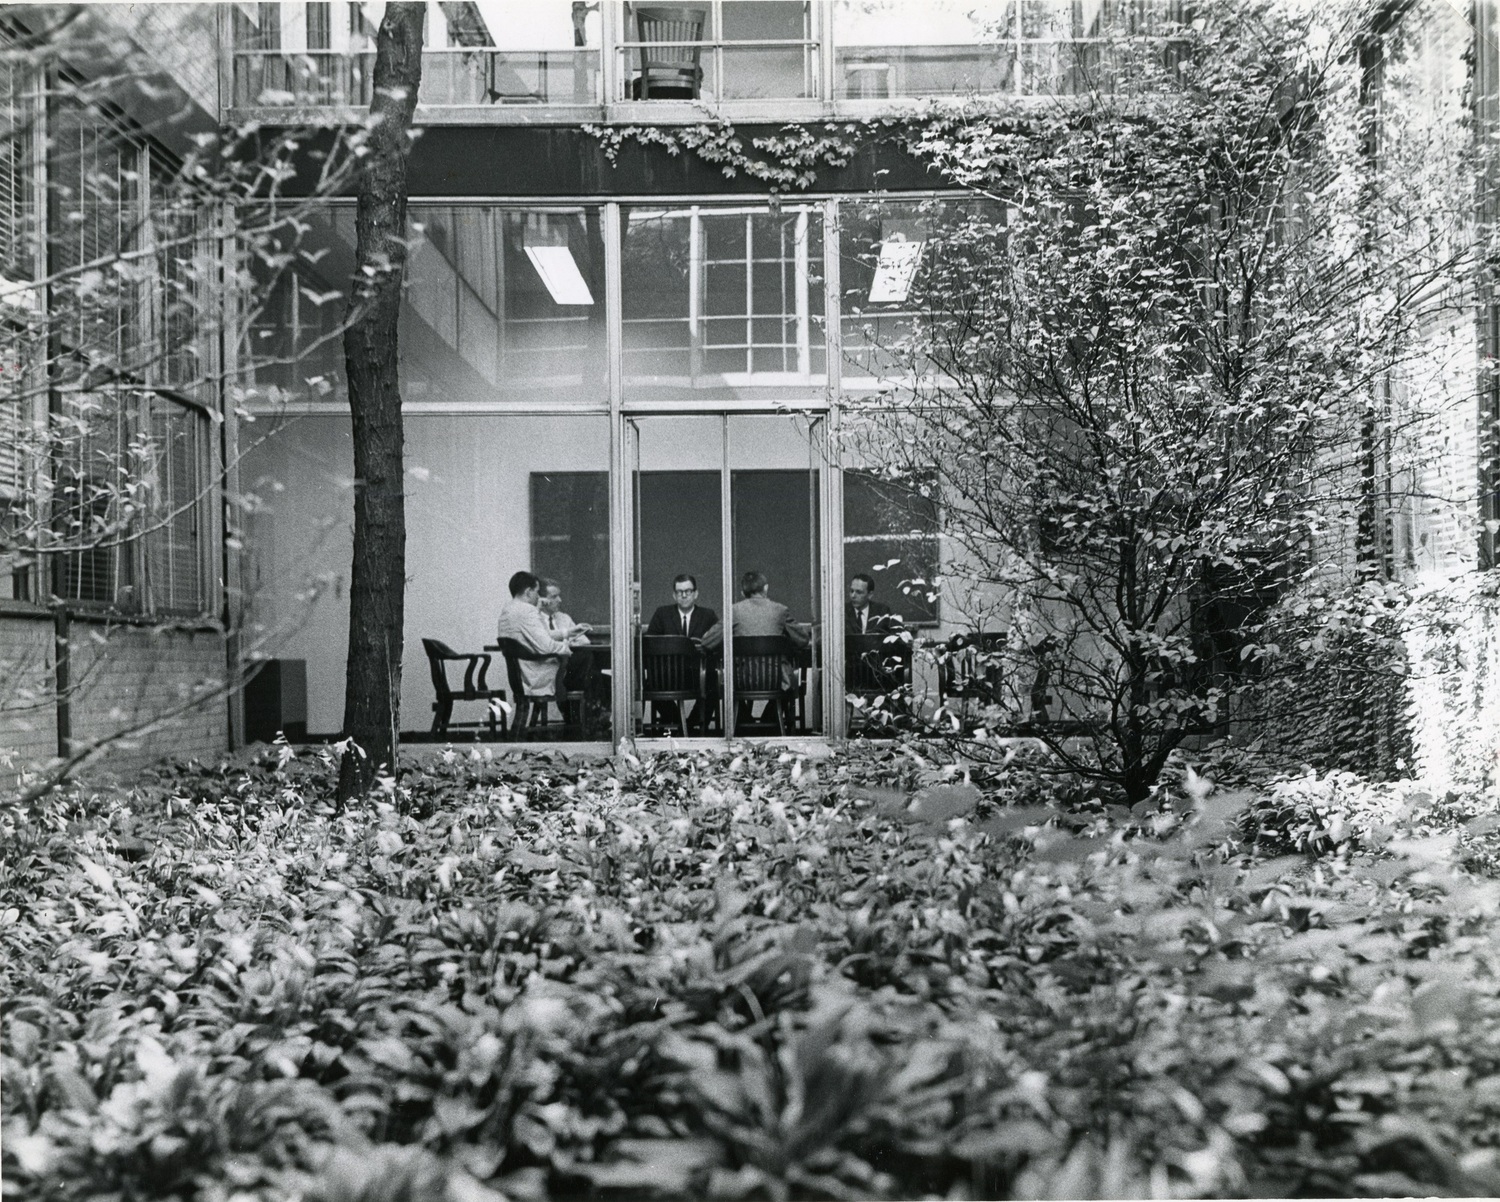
(891, 535)
(896, 260)
(722, 302)
(922, 48)
(505, 305)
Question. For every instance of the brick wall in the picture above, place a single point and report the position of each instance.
(121, 676)
(28, 729)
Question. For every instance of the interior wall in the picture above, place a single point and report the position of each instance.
(468, 530)
(299, 538)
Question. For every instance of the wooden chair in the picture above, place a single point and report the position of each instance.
(877, 664)
(531, 712)
(574, 698)
(475, 687)
(674, 670)
(758, 664)
(969, 669)
(669, 72)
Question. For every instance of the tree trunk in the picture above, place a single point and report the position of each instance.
(372, 682)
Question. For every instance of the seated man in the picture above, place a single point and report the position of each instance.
(865, 615)
(561, 626)
(522, 620)
(686, 617)
(690, 620)
(755, 615)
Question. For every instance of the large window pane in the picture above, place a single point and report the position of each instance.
(723, 303)
(295, 298)
(891, 535)
(174, 539)
(902, 264)
(678, 558)
(95, 500)
(505, 305)
(922, 47)
(773, 490)
(500, 305)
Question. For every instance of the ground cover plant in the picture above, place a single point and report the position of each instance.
(752, 974)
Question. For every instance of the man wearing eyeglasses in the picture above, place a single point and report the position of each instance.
(685, 617)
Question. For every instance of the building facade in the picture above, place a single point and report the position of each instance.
(656, 250)
(111, 399)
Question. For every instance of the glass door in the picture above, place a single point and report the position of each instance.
(775, 567)
(677, 574)
(727, 576)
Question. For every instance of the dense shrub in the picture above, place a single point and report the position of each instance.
(755, 975)
(1334, 679)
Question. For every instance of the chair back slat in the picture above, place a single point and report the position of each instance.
(513, 653)
(437, 652)
(671, 668)
(758, 661)
(674, 68)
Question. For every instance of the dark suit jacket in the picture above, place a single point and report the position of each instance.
(668, 620)
(882, 621)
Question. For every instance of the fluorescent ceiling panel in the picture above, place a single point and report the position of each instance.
(561, 275)
(895, 271)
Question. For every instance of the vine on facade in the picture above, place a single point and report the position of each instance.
(785, 163)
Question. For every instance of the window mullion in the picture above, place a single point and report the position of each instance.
(749, 293)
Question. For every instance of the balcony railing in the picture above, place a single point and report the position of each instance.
(1027, 59)
(454, 77)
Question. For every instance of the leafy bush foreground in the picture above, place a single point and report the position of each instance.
(752, 977)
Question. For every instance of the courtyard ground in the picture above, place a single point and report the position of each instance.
(884, 972)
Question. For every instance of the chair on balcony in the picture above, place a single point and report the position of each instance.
(760, 664)
(669, 72)
(475, 687)
(674, 672)
(531, 712)
(878, 665)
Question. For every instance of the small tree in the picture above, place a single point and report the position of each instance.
(1139, 375)
(372, 689)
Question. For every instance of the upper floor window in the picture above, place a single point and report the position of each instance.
(476, 52)
(921, 48)
(553, 52)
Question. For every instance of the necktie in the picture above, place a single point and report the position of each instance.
(684, 626)
(863, 616)
(551, 621)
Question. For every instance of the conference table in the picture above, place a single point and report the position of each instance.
(600, 648)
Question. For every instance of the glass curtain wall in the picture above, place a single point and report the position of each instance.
(505, 304)
(750, 484)
(491, 495)
(723, 467)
